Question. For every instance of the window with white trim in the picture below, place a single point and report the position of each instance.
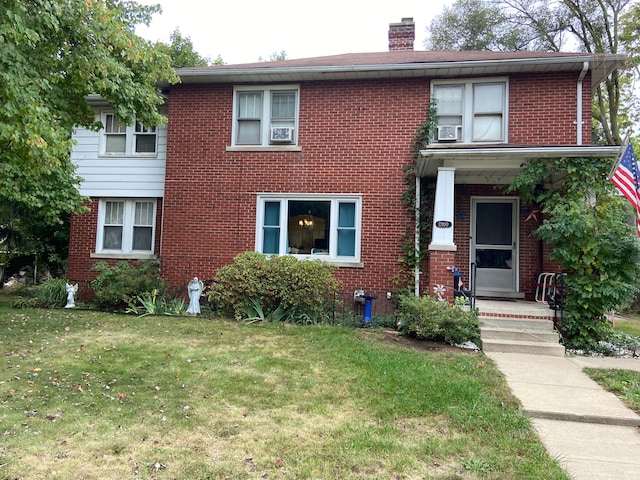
(119, 139)
(471, 111)
(265, 116)
(126, 225)
(325, 227)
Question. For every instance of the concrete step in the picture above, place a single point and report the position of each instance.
(516, 323)
(519, 346)
(494, 333)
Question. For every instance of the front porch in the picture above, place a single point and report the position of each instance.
(477, 224)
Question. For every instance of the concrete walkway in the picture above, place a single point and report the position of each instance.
(590, 431)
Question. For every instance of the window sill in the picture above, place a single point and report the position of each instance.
(265, 148)
(125, 256)
(347, 264)
(464, 144)
(128, 155)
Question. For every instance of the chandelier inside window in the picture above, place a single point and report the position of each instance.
(306, 222)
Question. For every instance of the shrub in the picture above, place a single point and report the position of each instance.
(50, 294)
(428, 319)
(150, 303)
(117, 286)
(275, 288)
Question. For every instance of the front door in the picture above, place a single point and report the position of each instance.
(494, 234)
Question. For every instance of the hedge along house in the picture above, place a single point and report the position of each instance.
(306, 158)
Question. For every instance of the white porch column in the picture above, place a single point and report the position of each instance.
(442, 238)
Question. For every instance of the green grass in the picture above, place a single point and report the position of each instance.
(629, 323)
(97, 396)
(623, 383)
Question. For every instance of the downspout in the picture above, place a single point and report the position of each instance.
(417, 239)
(585, 68)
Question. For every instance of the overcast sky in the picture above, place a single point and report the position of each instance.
(241, 31)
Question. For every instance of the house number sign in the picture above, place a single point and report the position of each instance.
(443, 224)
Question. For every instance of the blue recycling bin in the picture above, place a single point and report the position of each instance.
(368, 301)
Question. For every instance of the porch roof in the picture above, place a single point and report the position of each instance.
(499, 164)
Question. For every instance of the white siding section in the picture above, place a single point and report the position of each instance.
(118, 176)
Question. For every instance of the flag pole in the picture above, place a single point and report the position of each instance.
(623, 148)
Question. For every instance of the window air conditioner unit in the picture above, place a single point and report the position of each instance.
(448, 133)
(281, 135)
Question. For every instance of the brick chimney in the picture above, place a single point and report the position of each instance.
(402, 35)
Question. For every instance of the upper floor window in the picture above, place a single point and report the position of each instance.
(265, 116)
(471, 111)
(121, 139)
(325, 227)
(126, 226)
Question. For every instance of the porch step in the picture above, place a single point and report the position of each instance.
(538, 325)
(518, 346)
(493, 333)
(519, 332)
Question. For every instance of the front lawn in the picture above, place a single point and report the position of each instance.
(88, 395)
(625, 384)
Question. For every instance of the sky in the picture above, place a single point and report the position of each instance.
(242, 31)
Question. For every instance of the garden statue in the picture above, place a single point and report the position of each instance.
(71, 291)
(195, 290)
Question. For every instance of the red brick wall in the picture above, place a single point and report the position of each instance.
(355, 139)
(543, 109)
(82, 244)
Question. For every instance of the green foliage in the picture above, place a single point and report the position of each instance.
(153, 303)
(54, 55)
(279, 287)
(183, 54)
(429, 319)
(411, 258)
(26, 231)
(50, 294)
(588, 224)
(274, 57)
(474, 25)
(120, 285)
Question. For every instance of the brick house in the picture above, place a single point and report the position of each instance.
(306, 157)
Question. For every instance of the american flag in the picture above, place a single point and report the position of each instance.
(626, 179)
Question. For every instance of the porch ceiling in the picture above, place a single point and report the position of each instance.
(500, 164)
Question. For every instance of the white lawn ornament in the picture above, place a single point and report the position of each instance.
(71, 291)
(195, 288)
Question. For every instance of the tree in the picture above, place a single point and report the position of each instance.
(183, 54)
(592, 239)
(592, 26)
(53, 55)
(274, 57)
(473, 25)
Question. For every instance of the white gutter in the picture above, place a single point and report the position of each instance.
(417, 239)
(597, 151)
(585, 68)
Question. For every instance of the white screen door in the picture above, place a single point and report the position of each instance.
(494, 244)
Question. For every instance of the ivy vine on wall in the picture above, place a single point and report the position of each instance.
(410, 258)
